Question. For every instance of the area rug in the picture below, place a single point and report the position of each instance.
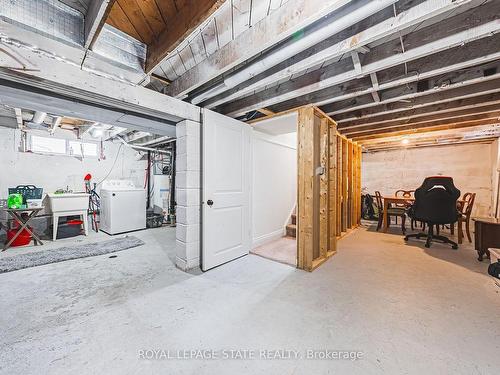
(39, 258)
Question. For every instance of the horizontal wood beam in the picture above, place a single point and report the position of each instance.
(320, 80)
(464, 93)
(415, 129)
(429, 144)
(190, 15)
(451, 113)
(290, 18)
(65, 77)
(353, 45)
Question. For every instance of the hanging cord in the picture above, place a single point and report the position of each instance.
(112, 167)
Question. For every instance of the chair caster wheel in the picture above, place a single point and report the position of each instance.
(406, 238)
(454, 247)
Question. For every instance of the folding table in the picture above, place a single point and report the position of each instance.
(17, 215)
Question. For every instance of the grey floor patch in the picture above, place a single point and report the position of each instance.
(18, 262)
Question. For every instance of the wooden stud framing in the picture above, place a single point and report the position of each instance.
(345, 182)
(328, 187)
(338, 215)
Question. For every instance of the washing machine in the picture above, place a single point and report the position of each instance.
(123, 207)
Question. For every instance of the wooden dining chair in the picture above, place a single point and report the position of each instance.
(465, 214)
(391, 212)
(406, 194)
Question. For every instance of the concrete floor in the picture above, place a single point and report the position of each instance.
(410, 310)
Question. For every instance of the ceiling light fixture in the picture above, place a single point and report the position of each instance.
(405, 141)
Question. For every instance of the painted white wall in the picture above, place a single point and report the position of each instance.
(470, 165)
(52, 172)
(274, 184)
(187, 190)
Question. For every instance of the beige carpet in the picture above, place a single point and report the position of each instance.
(283, 250)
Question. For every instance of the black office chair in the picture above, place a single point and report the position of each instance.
(435, 204)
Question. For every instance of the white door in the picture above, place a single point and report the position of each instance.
(226, 231)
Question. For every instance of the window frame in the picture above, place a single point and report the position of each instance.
(67, 147)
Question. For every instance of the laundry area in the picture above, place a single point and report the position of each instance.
(249, 187)
(69, 177)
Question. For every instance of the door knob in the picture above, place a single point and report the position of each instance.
(210, 202)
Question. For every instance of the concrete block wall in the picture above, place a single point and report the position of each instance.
(188, 185)
(470, 165)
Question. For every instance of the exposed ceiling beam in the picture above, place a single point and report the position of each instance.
(266, 111)
(291, 17)
(332, 25)
(376, 87)
(429, 118)
(410, 113)
(488, 119)
(19, 117)
(189, 15)
(298, 88)
(468, 132)
(63, 76)
(95, 18)
(486, 140)
(398, 101)
(321, 52)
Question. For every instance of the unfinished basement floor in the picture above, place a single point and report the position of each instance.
(410, 310)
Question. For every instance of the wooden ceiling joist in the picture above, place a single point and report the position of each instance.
(395, 146)
(190, 14)
(452, 115)
(415, 129)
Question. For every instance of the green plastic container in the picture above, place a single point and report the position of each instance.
(15, 200)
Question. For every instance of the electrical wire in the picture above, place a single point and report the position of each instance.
(112, 167)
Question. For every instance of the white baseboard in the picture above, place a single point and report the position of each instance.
(261, 240)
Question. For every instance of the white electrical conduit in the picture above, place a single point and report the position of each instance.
(348, 19)
(455, 40)
(406, 19)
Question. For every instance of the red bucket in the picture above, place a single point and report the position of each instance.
(23, 239)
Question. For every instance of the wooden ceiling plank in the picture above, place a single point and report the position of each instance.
(138, 20)
(152, 15)
(167, 9)
(189, 16)
(120, 20)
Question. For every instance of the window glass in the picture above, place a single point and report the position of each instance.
(48, 145)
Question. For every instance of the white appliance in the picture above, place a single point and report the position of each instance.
(161, 191)
(123, 207)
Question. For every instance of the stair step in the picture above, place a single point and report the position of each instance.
(291, 230)
(294, 219)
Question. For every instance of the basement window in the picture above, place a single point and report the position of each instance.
(59, 146)
(76, 148)
(44, 145)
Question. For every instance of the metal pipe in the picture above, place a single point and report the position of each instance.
(348, 18)
(38, 117)
(143, 148)
(56, 122)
